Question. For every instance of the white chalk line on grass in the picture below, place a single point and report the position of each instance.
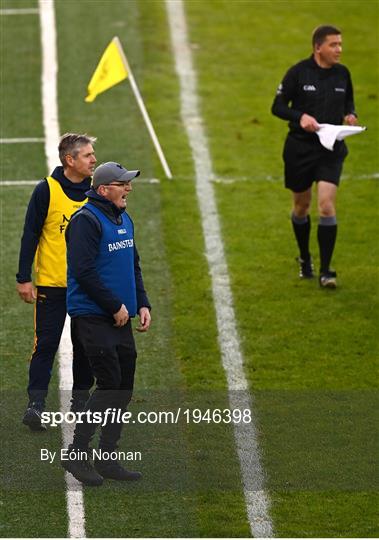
(216, 180)
(19, 11)
(15, 183)
(21, 140)
(257, 502)
(49, 82)
(277, 179)
(74, 492)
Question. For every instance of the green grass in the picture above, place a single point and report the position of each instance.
(295, 337)
(26, 482)
(21, 107)
(310, 356)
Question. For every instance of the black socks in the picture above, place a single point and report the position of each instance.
(302, 228)
(326, 236)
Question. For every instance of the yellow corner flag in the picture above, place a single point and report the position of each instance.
(110, 71)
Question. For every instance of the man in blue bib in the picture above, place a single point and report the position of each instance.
(104, 291)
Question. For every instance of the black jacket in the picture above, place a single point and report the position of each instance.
(82, 253)
(325, 94)
(36, 214)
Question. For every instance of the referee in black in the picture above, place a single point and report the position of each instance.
(315, 91)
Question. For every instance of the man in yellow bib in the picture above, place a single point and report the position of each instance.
(52, 203)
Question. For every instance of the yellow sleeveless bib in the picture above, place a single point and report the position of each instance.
(50, 261)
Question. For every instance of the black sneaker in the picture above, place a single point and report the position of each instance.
(32, 417)
(328, 280)
(305, 268)
(80, 467)
(110, 468)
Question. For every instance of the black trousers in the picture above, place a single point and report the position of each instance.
(50, 315)
(112, 355)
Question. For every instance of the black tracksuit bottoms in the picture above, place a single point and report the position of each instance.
(112, 355)
(50, 314)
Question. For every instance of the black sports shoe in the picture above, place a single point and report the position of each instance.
(328, 280)
(32, 417)
(80, 467)
(110, 468)
(306, 268)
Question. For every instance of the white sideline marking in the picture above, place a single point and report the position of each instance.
(49, 82)
(216, 180)
(20, 11)
(11, 183)
(74, 492)
(22, 140)
(269, 178)
(257, 502)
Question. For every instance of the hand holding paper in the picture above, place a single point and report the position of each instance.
(329, 134)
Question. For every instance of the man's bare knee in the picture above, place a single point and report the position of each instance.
(326, 199)
(301, 210)
(302, 203)
(326, 209)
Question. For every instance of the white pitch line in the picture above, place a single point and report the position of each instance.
(257, 502)
(269, 178)
(20, 11)
(74, 491)
(22, 140)
(216, 180)
(49, 82)
(15, 183)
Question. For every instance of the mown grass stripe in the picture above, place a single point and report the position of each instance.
(245, 434)
(74, 492)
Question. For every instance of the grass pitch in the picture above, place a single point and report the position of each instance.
(309, 355)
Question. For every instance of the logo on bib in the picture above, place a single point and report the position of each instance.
(63, 225)
(115, 246)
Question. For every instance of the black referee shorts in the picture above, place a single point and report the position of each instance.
(306, 162)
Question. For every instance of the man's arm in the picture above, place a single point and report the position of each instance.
(142, 299)
(36, 213)
(83, 239)
(284, 95)
(351, 117)
(143, 304)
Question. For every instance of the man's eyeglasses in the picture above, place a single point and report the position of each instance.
(119, 184)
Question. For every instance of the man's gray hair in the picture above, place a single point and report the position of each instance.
(71, 143)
